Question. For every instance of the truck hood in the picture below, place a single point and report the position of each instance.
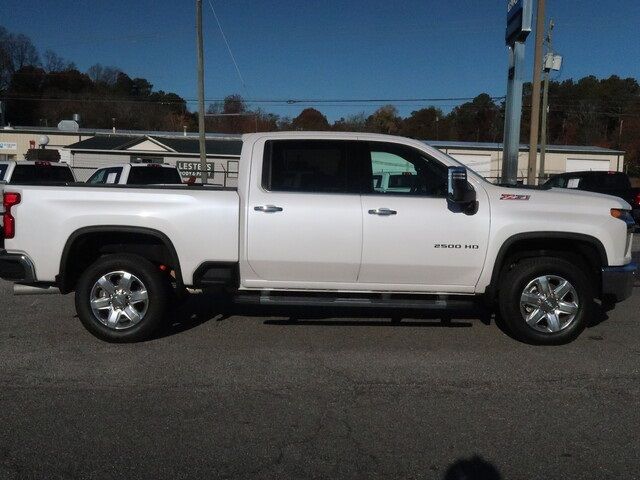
(560, 197)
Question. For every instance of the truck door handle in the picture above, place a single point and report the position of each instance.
(267, 208)
(385, 212)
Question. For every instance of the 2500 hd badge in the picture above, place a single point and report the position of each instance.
(456, 246)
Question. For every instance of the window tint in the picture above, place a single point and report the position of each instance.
(319, 166)
(558, 182)
(606, 181)
(405, 171)
(106, 175)
(3, 170)
(153, 175)
(41, 174)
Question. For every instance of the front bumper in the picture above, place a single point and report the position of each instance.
(16, 267)
(617, 282)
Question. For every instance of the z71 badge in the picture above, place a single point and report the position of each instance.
(512, 196)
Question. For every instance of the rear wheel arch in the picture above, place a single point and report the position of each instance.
(86, 245)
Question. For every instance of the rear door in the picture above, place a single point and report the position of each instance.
(411, 236)
(304, 216)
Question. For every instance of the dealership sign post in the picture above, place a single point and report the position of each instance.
(519, 14)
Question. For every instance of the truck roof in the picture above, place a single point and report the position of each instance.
(34, 162)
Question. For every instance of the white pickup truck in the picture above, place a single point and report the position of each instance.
(307, 226)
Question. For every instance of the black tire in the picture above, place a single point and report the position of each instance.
(158, 294)
(514, 282)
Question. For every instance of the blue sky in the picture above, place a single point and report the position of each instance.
(327, 49)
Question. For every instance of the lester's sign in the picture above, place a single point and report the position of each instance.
(519, 13)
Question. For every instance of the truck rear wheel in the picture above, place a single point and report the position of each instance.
(122, 298)
(546, 301)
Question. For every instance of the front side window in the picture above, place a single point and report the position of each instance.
(405, 171)
(313, 166)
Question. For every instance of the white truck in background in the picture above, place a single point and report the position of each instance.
(307, 226)
(136, 174)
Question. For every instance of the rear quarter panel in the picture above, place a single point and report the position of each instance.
(201, 224)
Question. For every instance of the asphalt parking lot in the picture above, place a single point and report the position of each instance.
(315, 394)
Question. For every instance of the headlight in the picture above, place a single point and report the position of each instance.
(624, 215)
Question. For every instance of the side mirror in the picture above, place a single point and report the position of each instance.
(459, 191)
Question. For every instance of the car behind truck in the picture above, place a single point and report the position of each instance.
(307, 225)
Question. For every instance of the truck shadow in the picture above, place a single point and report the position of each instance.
(199, 309)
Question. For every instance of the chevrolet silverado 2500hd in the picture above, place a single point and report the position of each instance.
(308, 226)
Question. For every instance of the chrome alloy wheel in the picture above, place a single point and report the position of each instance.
(119, 300)
(549, 304)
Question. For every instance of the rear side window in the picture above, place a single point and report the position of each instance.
(3, 170)
(313, 166)
(106, 175)
(41, 174)
(607, 181)
(153, 175)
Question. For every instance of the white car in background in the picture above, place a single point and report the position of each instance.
(137, 174)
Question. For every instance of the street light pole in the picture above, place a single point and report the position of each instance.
(548, 66)
(200, 53)
(535, 96)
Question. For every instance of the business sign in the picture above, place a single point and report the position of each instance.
(194, 169)
(519, 14)
(8, 146)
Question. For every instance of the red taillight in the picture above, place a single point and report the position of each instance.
(9, 199)
(638, 199)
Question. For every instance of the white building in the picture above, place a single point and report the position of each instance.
(486, 158)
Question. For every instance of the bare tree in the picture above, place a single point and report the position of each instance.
(54, 62)
(23, 52)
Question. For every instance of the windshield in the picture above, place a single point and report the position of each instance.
(152, 175)
(3, 170)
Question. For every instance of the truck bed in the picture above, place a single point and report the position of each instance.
(201, 222)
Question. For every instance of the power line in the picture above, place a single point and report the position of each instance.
(226, 42)
(312, 101)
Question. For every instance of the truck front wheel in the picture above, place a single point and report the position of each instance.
(122, 298)
(546, 301)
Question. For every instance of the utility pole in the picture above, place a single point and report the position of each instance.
(535, 96)
(200, 52)
(548, 66)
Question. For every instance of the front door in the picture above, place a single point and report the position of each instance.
(410, 235)
(304, 220)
